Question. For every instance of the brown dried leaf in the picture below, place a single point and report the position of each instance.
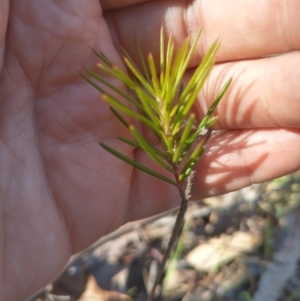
(94, 293)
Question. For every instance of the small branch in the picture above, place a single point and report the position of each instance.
(185, 194)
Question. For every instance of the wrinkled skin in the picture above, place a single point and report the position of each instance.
(59, 191)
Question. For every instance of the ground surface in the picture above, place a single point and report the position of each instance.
(242, 246)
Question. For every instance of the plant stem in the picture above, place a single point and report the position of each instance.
(185, 194)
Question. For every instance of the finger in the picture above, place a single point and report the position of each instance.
(4, 5)
(239, 158)
(247, 29)
(263, 93)
(116, 4)
(233, 159)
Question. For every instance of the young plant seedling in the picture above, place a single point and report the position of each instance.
(161, 103)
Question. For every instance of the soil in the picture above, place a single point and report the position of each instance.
(241, 246)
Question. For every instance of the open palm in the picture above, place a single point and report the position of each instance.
(59, 190)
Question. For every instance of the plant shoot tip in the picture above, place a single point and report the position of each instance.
(163, 105)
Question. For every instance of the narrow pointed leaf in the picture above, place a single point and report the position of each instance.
(195, 156)
(205, 64)
(147, 105)
(177, 123)
(140, 92)
(130, 142)
(128, 60)
(92, 83)
(205, 120)
(119, 116)
(218, 98)
(192, 160)
(136, 145)
(113, 102)
(174, 110)
(212, 122)
(192, 97)
(185, 151)
(163, 104)
(142, 60)
(139, 76)
(184, 137)
(169, 59)
(153, 73)
(112, 87)
(137, 165)
(190, 93)
(181, 89)
(179, 60)
(162, 50)
(185, 62)
(147, 148)
(117, 73)
(103, 58)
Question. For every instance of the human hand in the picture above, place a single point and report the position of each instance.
(59, 190)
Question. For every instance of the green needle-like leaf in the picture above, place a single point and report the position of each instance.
(166, 84)
(142, 61)
(178, 63)
(137, 165)
(186, 59)
(162, 55)
(153, 73)
(103, 58)
(106, 83)
(113, 102)
(191, 91)
(136, 145)
(205, 122)
(158, 99)
(148, 107)
(117, 73)
(120, 117)
(216, 101)
(205, 65)
(145, 145)
(184, 137)
(139, 75)
(196, 154)
(130, 142)
(189, 166)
